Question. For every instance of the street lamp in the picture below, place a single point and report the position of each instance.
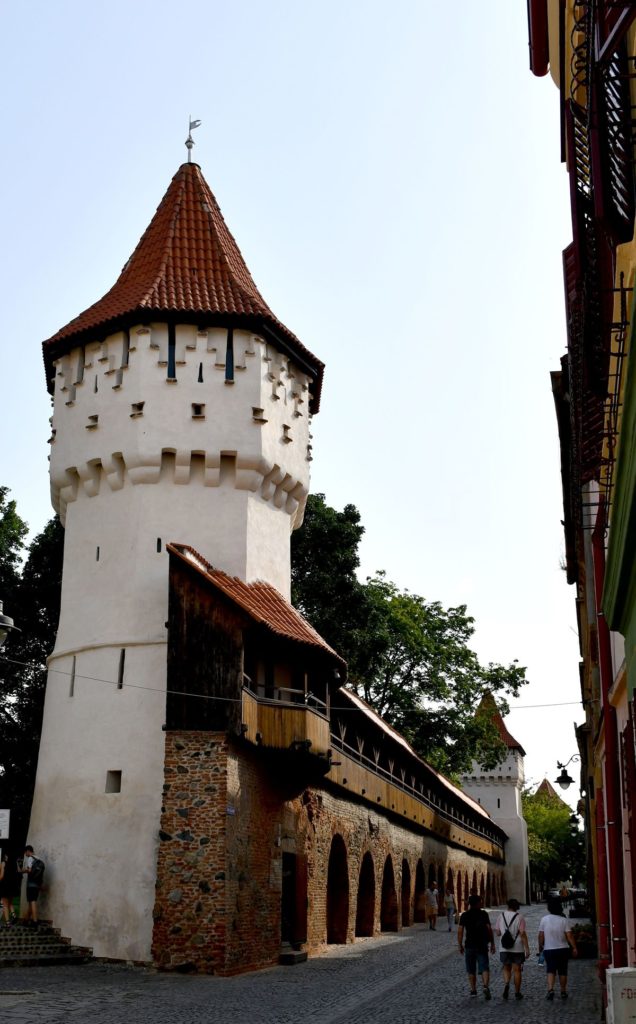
(6, 626)
(564, 780)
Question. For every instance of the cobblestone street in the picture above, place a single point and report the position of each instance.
(417, 976)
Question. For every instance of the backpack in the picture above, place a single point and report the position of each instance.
(508, 939)
(36, 874)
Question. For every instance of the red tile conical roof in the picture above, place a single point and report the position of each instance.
(488, 705)
(186, 267)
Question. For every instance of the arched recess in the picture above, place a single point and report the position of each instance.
(459, 895)
(420, 890)
(488, 891)
(406, 893)
(466, 891)
(482, 887)
(473, 889)
(432, 875)
(337, 892)
(365, 909)
(389, 905)
(495, 891)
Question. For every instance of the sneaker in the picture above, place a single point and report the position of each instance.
(564, 995)
(550, 996)
(506, 991)
(518, 995)
(473, 991)
(487, 994)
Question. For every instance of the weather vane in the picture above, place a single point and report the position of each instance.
(190, 141)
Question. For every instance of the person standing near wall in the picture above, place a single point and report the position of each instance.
(432, 905)
(451, 909)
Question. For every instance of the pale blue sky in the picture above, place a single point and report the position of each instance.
(392, 177)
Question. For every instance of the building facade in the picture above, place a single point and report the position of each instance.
(207, 788)
(590, 51)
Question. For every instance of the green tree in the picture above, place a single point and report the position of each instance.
(33, 600)
(409, 658)
(556, 844)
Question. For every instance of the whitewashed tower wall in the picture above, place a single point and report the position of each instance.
(156, 437)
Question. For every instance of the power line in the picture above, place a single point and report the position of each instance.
(234, 700)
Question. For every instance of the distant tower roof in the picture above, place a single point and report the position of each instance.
(186, 268)
(547, 790)
(488, 705)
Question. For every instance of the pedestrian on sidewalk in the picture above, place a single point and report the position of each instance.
(7, 886)
(512, 956)
(556, 942)
(451, 909)
(33, 868)
(432, 905)
(475, 924)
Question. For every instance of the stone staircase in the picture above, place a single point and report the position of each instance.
(22, 946)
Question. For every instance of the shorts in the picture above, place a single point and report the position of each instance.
(508, 958)
(32, 893)
(476, 961)
(556, 961)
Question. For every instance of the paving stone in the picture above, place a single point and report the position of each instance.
(414, 976)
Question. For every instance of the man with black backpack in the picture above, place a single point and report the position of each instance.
(514, 948)
(33, 868)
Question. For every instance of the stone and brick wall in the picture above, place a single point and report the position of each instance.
(228, 817)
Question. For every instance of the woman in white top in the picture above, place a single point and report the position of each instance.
(555, 942)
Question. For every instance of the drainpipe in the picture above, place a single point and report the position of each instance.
(602, 908)
(611, 789)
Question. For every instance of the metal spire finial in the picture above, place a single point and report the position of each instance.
(190, 141)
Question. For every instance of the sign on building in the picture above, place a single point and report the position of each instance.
(4, 823)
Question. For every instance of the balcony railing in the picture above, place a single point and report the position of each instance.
(284, 724)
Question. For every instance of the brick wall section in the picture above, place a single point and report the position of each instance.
(228, 816)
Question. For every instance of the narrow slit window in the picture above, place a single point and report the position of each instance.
(71, 688)
(158, 544)
(172, 353)
(229, 356)
(120, 671)
(498, 802)
(125, 351)
(113, 782)
(95, 385)
(97, 553)
(200, 377)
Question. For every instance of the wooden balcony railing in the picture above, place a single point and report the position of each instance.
(284, 725)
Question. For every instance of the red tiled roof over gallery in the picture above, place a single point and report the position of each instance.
(187, 266)
(260, 600)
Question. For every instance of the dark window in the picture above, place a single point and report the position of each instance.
(120, 671)
(113, 782)
(229, 355)
(172, 353)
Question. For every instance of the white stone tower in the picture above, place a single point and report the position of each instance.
(498, 791)
(181, 413)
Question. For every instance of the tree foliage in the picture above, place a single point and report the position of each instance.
(556, 845)
(31, 594)
(408, 657)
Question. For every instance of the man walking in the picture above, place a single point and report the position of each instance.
(475, 925)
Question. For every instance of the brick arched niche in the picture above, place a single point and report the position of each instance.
(365, 908)
(406, 894)
(337, 892)
(389, 905)
(420, 893)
